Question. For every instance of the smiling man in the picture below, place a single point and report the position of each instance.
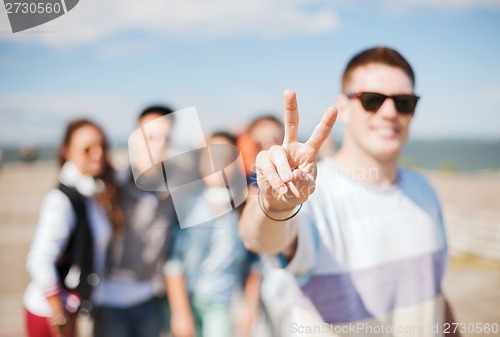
(367, 251)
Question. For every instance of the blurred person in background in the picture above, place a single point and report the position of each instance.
(264, 132)
(134, 290)
(247, 148)
(209, 262)
(368, 249)
(28, 151)
(77, 219)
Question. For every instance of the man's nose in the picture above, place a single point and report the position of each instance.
(388, 109)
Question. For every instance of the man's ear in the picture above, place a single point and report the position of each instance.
(343, 107)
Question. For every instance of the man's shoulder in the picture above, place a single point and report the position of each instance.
(412, 177)
(417, 186)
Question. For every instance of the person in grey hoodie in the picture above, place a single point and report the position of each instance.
(134, 286)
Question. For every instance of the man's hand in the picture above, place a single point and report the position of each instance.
(62, 327)
(286, 174)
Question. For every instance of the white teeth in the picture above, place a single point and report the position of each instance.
(386, 131)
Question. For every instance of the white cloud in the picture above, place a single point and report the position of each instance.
(93, 20)
(120, 49)
(440, 4)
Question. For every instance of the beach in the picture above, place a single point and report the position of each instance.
(470, 203)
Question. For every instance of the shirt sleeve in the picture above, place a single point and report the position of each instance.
(55, 225)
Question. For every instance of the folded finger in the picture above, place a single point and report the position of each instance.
(302, 185)
(278, 156)
(267, 171)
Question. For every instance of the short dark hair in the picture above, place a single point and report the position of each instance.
(382, 55)
(265, 118)
(224, 134)
(162, 110)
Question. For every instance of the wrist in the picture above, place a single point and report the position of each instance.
(277, 214)
(252, 305)
(273, 206)
(58, 320)
(184, 313)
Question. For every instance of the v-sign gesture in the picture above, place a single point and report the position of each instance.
(286, 174)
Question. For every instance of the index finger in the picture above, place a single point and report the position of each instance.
(291, 119)
(323, 129)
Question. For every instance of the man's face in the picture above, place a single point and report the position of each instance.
(157, 129)
(266, 134)
(220, 157)
(383, 133)
(158, 135)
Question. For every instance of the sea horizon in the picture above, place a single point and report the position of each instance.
(460, 155)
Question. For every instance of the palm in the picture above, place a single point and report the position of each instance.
(302, 156)
(286, 174)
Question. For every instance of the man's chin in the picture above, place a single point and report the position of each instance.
(388, 150)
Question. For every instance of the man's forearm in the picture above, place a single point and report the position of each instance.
(177, 293)
(263, 235)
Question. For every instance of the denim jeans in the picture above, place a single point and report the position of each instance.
(143, 320)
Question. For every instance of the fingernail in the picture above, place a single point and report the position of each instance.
(282, 190)
(301, 176)
(288, 177)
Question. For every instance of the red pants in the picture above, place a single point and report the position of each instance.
(37, 326)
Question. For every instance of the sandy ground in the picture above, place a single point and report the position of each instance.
(470, 203)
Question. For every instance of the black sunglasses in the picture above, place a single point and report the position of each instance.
(372, 101)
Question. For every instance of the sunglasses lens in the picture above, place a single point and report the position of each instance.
(371, 101)
(405, 103)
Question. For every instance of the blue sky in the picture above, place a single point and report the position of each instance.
(107, 59)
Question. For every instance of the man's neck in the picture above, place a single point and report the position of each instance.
(364, 168)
